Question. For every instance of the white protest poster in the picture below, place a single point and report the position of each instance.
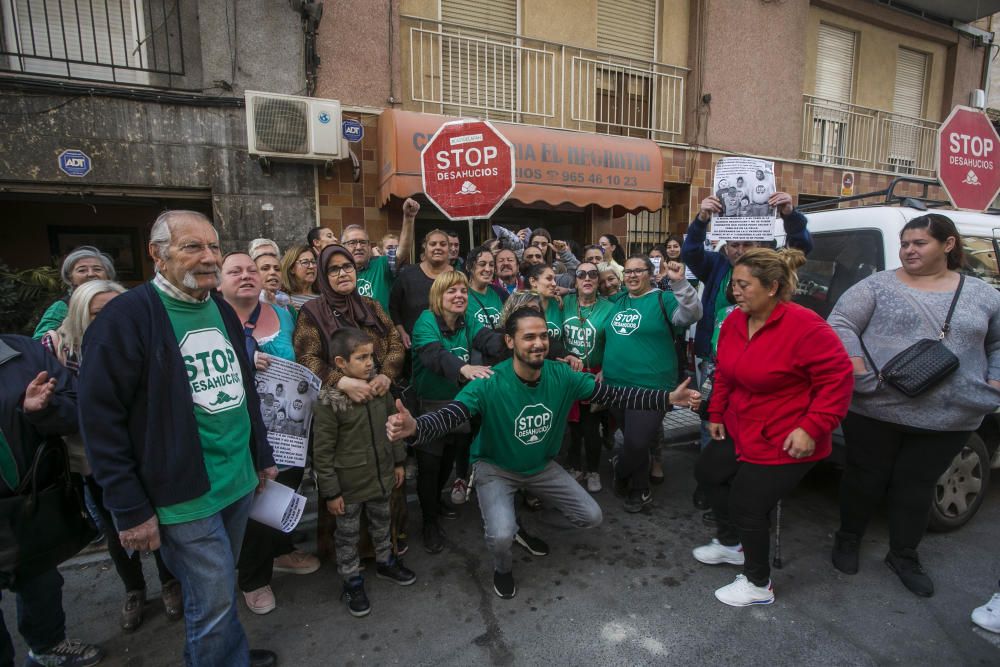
(278, 506)
(743, 185)
(287, 392)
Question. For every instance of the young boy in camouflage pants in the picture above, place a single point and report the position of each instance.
(357, 467)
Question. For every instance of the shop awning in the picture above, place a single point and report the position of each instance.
(552, 166)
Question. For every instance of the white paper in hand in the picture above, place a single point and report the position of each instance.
(278, 506)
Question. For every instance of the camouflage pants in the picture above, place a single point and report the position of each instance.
(349, 532)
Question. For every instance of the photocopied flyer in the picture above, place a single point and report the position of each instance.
(287, 393)
(278, 506)
(743, 185)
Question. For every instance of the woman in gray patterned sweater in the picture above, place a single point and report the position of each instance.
(896, 445)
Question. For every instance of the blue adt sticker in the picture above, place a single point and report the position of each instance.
(353, 130)
(324, 117)
(74, 163)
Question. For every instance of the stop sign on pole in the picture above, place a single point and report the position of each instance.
(467, 169)
(969, 159)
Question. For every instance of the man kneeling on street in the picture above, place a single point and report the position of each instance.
(523, 407)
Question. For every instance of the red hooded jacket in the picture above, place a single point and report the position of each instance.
(793, 373)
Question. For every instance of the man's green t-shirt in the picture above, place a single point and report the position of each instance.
(583, 329)
(426, 383)
(484, 308)
(522, 426)
(220, 409)
(375, 281)
(638, 343)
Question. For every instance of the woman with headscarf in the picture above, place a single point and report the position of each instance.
(340, 305)
(83, 264)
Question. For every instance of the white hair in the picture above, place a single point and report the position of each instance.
(85, 252)
(160, 235)
(261, 243)
(78, 313)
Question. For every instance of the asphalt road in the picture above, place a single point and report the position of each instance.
(627, 593)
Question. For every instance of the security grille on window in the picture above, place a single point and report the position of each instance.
(105, 40)
(645, 229)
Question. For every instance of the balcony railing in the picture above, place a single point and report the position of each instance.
(852, 136)
(120, 41)
(459, 70)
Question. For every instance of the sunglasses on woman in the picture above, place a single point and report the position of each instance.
(592, 274)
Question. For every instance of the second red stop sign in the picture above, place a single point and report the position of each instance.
(467, 169)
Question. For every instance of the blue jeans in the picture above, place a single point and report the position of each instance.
(495, 488)
(40, 617)
(202, 555)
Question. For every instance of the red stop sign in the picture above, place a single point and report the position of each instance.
(467, 169)
(969, 159)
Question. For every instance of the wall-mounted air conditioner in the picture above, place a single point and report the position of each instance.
(292, 128)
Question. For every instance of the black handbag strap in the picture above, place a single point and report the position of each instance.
(944, 329)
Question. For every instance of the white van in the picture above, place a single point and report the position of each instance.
(852, 243)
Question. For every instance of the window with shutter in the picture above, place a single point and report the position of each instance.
(81, 40)
(904, 135)
(625, 28)
(831, 130)
(479, 69)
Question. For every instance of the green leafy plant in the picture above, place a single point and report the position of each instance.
(24, 296)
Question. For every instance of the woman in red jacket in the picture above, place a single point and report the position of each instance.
(783, 382)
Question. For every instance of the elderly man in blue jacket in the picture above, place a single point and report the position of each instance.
(172, 425)
(715, 270)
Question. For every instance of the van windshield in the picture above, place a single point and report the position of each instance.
(981, 259)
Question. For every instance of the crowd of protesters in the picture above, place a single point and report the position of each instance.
(468, 370)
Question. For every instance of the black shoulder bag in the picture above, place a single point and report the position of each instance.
(922, 365)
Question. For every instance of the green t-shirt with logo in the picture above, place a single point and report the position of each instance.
(722, 309)
(425, 382)
(522, 426)
(553, 319)
(375, 281)
(220, 409)
(638, 343)
(583, 329)
(484, 308)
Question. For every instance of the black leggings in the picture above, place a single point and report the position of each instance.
(433, 471)
(901, 462)
(262, 544)
(129, 568)
(642, 431)
(585, 434)
(742, 497)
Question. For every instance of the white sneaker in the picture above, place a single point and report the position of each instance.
(575, 474)
(458, 488)
(741, 593)
(715, 553)
(594, 482)
(988, 616)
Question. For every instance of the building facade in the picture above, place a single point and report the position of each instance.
(147, 97)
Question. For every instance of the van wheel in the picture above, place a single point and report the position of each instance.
(962, 487)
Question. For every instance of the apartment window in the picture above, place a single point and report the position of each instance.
(627, 28)
(645, 229)
(830, 112)
(904, 134)
(480, 64)
(104, 40)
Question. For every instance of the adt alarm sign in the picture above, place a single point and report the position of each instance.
(467, 169)
(353, 130)
(969, 159)
(74, 163)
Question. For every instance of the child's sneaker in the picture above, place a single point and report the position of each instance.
(742, 593)
(357, 599)
(395, 572)
(67, 653)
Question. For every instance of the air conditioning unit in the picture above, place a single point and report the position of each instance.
(293, 128)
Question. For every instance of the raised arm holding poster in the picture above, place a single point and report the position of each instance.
(743, 185)
(287, 393)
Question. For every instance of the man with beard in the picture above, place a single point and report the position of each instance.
(376, 274)
(172, 424)
(523, 407)
(507, 278)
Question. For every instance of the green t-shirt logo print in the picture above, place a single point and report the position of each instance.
(532, 424)
(365, 288)
(626, 321)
